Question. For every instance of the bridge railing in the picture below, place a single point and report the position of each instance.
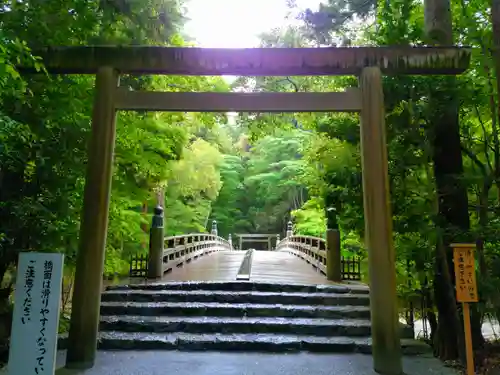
(177, 250)
(324, 255)
(182, 249)
(166, 253)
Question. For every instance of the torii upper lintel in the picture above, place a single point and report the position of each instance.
(254, 61)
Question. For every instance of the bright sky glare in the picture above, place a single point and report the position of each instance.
(236, 23)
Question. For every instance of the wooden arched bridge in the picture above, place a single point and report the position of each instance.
(298, 259)
(196, 292)
(295, 259)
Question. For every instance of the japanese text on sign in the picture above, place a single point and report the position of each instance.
(465, 273)
(36, 314)
(29, 275)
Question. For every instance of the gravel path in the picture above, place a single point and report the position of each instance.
(216, 363)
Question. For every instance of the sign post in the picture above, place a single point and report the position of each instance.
(466, 289)
(35, 321)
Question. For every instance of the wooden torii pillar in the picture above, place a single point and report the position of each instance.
(368, 63)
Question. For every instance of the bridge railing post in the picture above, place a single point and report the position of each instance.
(203, 242)
(214, 242)
(156, 243)
(289, 229)
(214, 230)
(333, 255)
(182, 247)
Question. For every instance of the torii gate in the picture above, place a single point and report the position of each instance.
(242, 238)
(107, 63)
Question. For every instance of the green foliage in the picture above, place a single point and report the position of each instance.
(228, 209)
(260, 187)
(310, 219)
(194, 183)
(45, 124)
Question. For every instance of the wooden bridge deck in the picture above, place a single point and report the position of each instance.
(267, 266)
(219, 266)
(279, 266)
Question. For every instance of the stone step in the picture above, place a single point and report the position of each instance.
(245, 286)
(242, 342)
(233, 310)
(270, 298)
(214, 325)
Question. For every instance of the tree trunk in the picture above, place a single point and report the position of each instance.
(144, 226)
(483, 225)
(453, 216)
(495, 22)
(446, 339)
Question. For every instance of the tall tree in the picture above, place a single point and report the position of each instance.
(453, 213)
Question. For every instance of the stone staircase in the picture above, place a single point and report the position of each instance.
(245, 316)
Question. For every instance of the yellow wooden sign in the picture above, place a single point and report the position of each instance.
(465, 276)
(465, 272)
